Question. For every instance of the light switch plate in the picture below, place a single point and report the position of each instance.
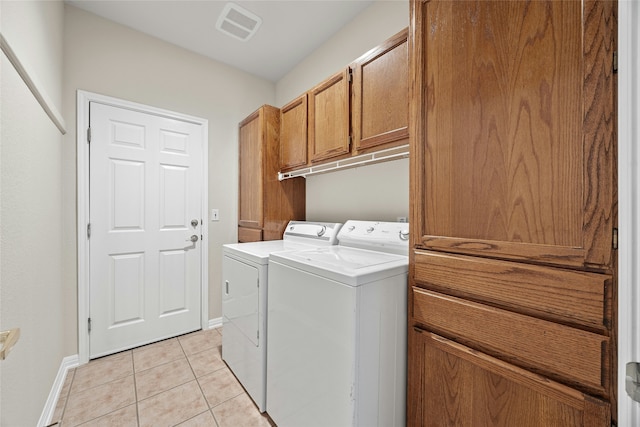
(215, 215)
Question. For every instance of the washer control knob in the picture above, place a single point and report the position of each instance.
(322, 231)
(370, 229)
(404, 234)
(351, 228)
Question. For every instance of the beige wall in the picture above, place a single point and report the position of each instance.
(376, 192)
(38, 283)
(110, 59)
(31, 287)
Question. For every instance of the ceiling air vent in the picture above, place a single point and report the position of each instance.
(238, 22)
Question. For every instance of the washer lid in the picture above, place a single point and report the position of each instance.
(347, 265)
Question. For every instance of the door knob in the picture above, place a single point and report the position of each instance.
(192, 239)
(194, 222)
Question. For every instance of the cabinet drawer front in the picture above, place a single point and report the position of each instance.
(461, 386)
(249, 235)
(556, 294)
(556, 350)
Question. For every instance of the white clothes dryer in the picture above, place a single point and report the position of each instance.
(337, 330)
(244, 299)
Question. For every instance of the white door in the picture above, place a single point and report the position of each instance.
(145, 208)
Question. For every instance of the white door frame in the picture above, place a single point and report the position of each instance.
(628, 203)
(83, 99)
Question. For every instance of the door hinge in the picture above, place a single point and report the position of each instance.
(615, 61)
(258, 283)
(89, 324)
(632, 381)
(88, 134)
(257, 335)
(614, 242)
(349, 140)
(350, 75)
(88, 230)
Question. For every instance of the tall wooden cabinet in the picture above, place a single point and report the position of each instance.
(265, 205)
(513, 212)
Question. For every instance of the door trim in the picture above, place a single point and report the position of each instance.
(629, 203)
(83, 98)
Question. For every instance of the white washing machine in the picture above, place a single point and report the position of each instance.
(244, 299)
(337, 330)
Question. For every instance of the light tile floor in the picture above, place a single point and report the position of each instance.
(176, 382)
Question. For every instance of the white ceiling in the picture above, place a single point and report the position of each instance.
(290, 30)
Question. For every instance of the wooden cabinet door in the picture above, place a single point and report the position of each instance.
(250, 197)
(380, 112)
(329, 118)
(513, 112)
(456, 386)
(293, 134)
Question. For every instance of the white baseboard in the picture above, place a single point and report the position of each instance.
(68, 363)
(215, 323)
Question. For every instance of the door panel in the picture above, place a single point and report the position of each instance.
(380, 95)
(145, 188)
(174, 287)
(126, 284)
(293, 134)
(518, 158)
(329, 118)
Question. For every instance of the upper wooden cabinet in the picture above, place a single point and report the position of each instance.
(380, 110)
(360, 109)
(265, 205)
(329, 118)
(293, 134)
(514, 130)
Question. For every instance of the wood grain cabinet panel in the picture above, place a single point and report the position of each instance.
(265, 204)
(463, 387)
(569, 354)
(380, 110)
(251, 148)
(514, 112)
(513, 209)
(329, 119)
(561, 295)
(293, 134)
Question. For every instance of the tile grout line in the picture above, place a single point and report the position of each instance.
(110, 380)
(210, 410)
(199, 386)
